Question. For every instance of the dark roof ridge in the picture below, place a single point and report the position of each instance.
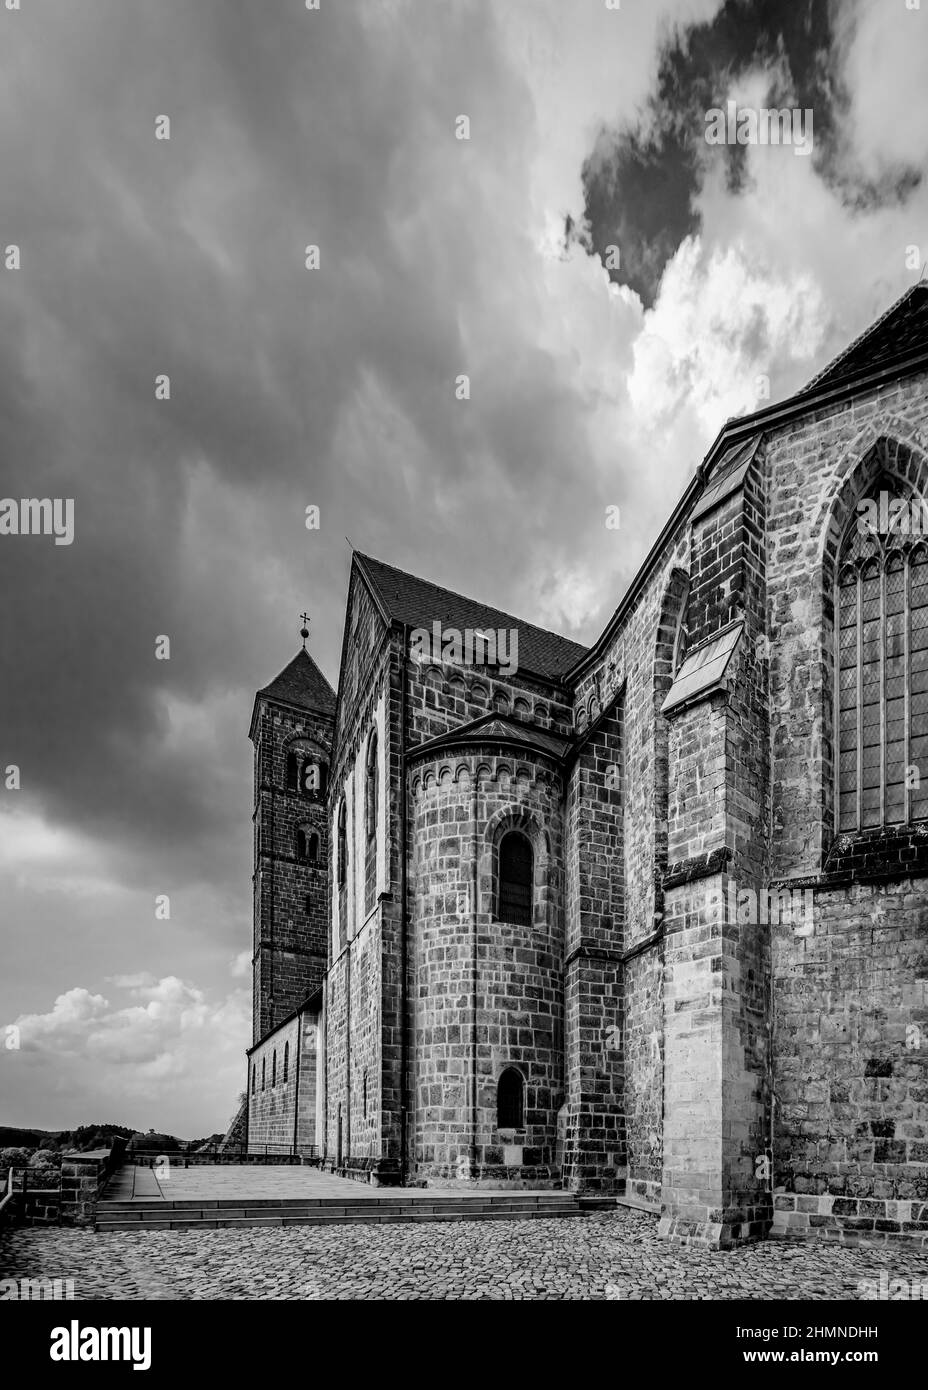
(550, 654)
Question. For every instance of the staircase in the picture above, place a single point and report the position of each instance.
(115, 1213)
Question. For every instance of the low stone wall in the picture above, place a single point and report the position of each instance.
(216, 1159)
(83, 1178)
(39, 1206)
(850, 1220)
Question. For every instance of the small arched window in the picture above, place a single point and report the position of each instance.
(263, 1072)
(286, 1061)
(313, 777)
(516, 872)
(342, 845)
(274, 1069)
(306, 773)
(307, 845)
(510, 1100)
(254, 1077)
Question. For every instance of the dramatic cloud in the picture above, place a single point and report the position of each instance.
(334, 387)
(168, 1048)
(643, 178)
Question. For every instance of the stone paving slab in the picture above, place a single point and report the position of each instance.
(605, 1255)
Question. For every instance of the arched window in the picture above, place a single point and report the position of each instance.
(306, 773)
(881, 626)
(313, 777)
(370, 799)
(263, 1072)
(342, 845)
(274, 1069)
(365, 1094)
(286, 1061)
(370, 818)
(516, 871)
(510, 1100)
(254, 1077)
(307, 845)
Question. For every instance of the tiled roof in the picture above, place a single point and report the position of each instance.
(899, 333)
(419, 603)
(497, 728)
(301, 683)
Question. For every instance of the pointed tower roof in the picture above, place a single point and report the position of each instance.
(301, 685)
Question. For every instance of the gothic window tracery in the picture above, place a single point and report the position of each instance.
(881, 625)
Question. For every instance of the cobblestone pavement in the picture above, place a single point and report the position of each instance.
(606, 1255)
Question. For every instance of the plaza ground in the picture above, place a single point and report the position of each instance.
(599, 1256)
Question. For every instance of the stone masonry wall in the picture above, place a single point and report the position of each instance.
(291, 895)
(851, 1061)
(272, 1106)
(487, 994)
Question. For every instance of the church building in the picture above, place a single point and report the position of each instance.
(647, 919)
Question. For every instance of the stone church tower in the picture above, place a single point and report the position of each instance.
(645, 919)
(292, 731)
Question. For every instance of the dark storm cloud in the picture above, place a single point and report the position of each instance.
(641, 181)
(186, 257)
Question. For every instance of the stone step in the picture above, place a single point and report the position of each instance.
(179, 1222)
(139, 1216)
(364, 1203)
(331, 1214)
(359, 1211)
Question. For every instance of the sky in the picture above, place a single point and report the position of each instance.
(598, 378)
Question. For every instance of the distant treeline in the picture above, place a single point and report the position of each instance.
(97, 1137)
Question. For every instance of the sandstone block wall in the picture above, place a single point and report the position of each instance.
(291, 896)
(488, 994)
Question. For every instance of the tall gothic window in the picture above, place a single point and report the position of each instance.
(510, 1100)
(881, 608)
(286, 1061)
(516, 871)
